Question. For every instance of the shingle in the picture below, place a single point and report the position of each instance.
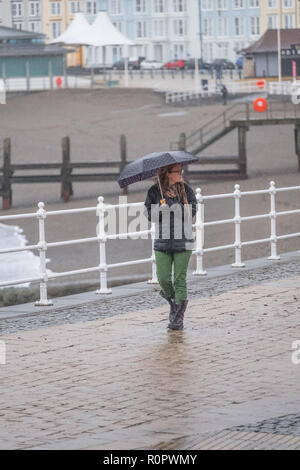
(12, 33)
(268, 41)
(20, 50)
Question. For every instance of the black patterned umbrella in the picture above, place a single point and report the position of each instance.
(149, 165)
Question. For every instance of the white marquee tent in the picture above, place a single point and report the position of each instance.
(101, 33)
(77, 27)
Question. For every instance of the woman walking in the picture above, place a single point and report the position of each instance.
(173, 243)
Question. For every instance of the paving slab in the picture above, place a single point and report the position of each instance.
(127, 382)
(142, 295)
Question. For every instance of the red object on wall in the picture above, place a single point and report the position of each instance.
(260, 105)
(294, 70)
(58, 81)
(260, 83)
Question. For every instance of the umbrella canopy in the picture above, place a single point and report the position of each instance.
(78, 26)
(101, 33)
(148, 165)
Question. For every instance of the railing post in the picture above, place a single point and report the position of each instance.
(272, 191)
(201, 136)
(237, 222)
(182, 142)
(4, 72)
(224, 119)
(242, 135)
(66, 183)
(199, 235)
(7, 172)
(247, 111)
(50, 73)
(65, 72)
(41, 215)
(154, 279)
(27, 76)
(123, 149)
(102, 248)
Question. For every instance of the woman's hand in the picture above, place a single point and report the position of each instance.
(163, 202)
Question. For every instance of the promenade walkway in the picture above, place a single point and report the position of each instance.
(126, 382)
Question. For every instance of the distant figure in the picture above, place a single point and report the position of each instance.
(224, 92)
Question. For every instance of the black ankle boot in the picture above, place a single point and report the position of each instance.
(171, 301)
(177, 323)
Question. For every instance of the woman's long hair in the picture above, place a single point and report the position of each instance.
(178, 188)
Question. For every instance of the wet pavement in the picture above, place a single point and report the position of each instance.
(143, 296)
(120, 380)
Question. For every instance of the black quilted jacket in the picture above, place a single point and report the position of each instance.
(173, 227)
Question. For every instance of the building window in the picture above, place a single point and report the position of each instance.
(254, 25)
(207, 26)
(91, 8)
(239, 25)
(75, 7)
(159, 6)
(289, 21)
(115, 7)
(222, 26)
(56, 29)
(179, 27)
(272, 3)
(207, 5)
(208, 52)
(34, 9)
(272, 21)
(17, 9)
(179, 6)
(288, 4)
(140, 6)
(141, 29)
(238, 4)
(55, 8)
(254, 3)
(222, 49)
(159, 28)
(179, 52)
(222, 5)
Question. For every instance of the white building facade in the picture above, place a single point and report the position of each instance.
(27, 15)
(180, 29)
(5, 13)
(228, 26)
(161, 29)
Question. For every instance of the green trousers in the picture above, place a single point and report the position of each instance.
(164, 262)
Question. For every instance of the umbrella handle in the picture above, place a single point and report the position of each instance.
(161, 192)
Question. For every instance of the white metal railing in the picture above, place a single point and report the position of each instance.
(282, 88)
(172, 96)
(102, 237)
(273, 88)
(46, 83)
(178, 95)
(237, 220)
